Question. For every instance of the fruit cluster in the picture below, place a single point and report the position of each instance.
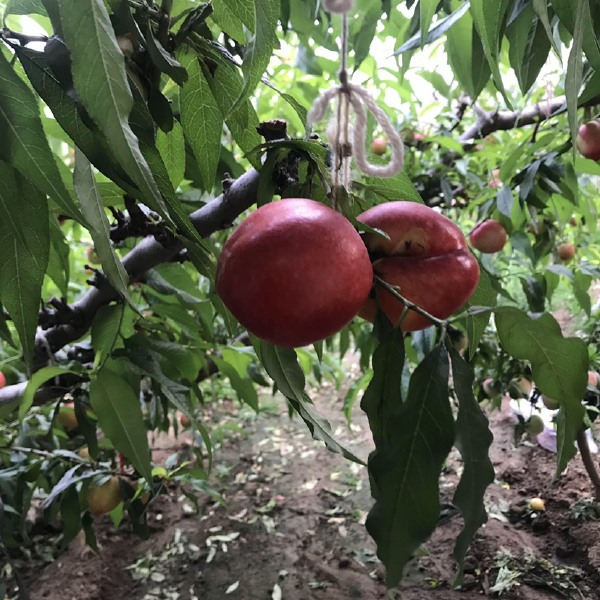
(296, 271)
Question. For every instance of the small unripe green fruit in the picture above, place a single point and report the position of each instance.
(550, 403)
(535, 425)
(91, 255)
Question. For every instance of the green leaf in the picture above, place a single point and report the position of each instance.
(25, 244)
(67, 114)
(466, 56)
(93, 210)
(383, 397)
(488, 18)
(473, 440)
(405, 470)
(440, 28)
(244, 10)
(282, 366)
(529, 47)
(260, 48)
(244, 387)
(37, 379)
(484, 295)
(559, 367)
(24, 144)
(24, 7)
(105, 330)
(201, 119)
(541, 10)
(574, 74)
(163, 61)
(58, 261)
(581, 286)
(171, 147)
(117, 407)
(427, 9)
(106, 95)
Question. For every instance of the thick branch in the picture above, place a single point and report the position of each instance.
(502, 120)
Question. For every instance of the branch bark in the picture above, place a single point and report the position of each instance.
(503, 120)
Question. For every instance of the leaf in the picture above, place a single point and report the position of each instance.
(244, 10)
(38, 379)
(573, 78)
(466, 56)
(282, 366)
(201, 120)
(244, 387)
(58, 261)
(541, 10)
(162, 60)
(93, 210)
(24, 7)
(106, 95)
(559, 367)
(581, 286)
(66, 481)
(488, 18)
(171, 147)
(105, 330)
(383, 397)
(427, 9)
(260, 48)
(405, 470)
(484, 295)
(25, 244)
(24, 144)
(67, 114)
(529, 47)
(117, 407)
(436, 32)
(473, 440)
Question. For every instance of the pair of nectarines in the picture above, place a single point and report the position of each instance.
(296, 271)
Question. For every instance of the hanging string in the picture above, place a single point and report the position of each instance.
(344, 139)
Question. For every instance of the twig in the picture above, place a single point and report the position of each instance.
(393, 290)
(588, 461)
(22, 38)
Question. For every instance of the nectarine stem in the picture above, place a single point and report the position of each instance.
(393, 290)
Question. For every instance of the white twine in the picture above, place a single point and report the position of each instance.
(357, 97)
(339, 6)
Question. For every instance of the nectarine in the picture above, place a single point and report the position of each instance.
(426, 257)
(378, 146)
(91, 255)
(488, 237)
(294, 272)
(66, 416)
(2, 379)
(588, 140)
(566, 252)
(103, 499)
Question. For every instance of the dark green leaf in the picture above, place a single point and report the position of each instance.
(37, 379)
(93, 210)
(171, 147)
(484, 295)
(106, 96)
(25, 244)
(163, 61)
(105, 330)
(574, 74)
(201, 120)
(383, 397)
(559, 367)
(24, 7)
(58, 262)
(117, 407)
(405, 470)
(473, 440)
(24, 144)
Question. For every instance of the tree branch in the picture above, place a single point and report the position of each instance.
(502, 120)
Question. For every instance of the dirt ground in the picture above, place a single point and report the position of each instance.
(293, 528)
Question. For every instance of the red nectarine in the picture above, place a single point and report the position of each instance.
(2, 379)
(488, 237)
(294, 272)
(588, 140)
(426, 257)
(566, 252)
(379, 146)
